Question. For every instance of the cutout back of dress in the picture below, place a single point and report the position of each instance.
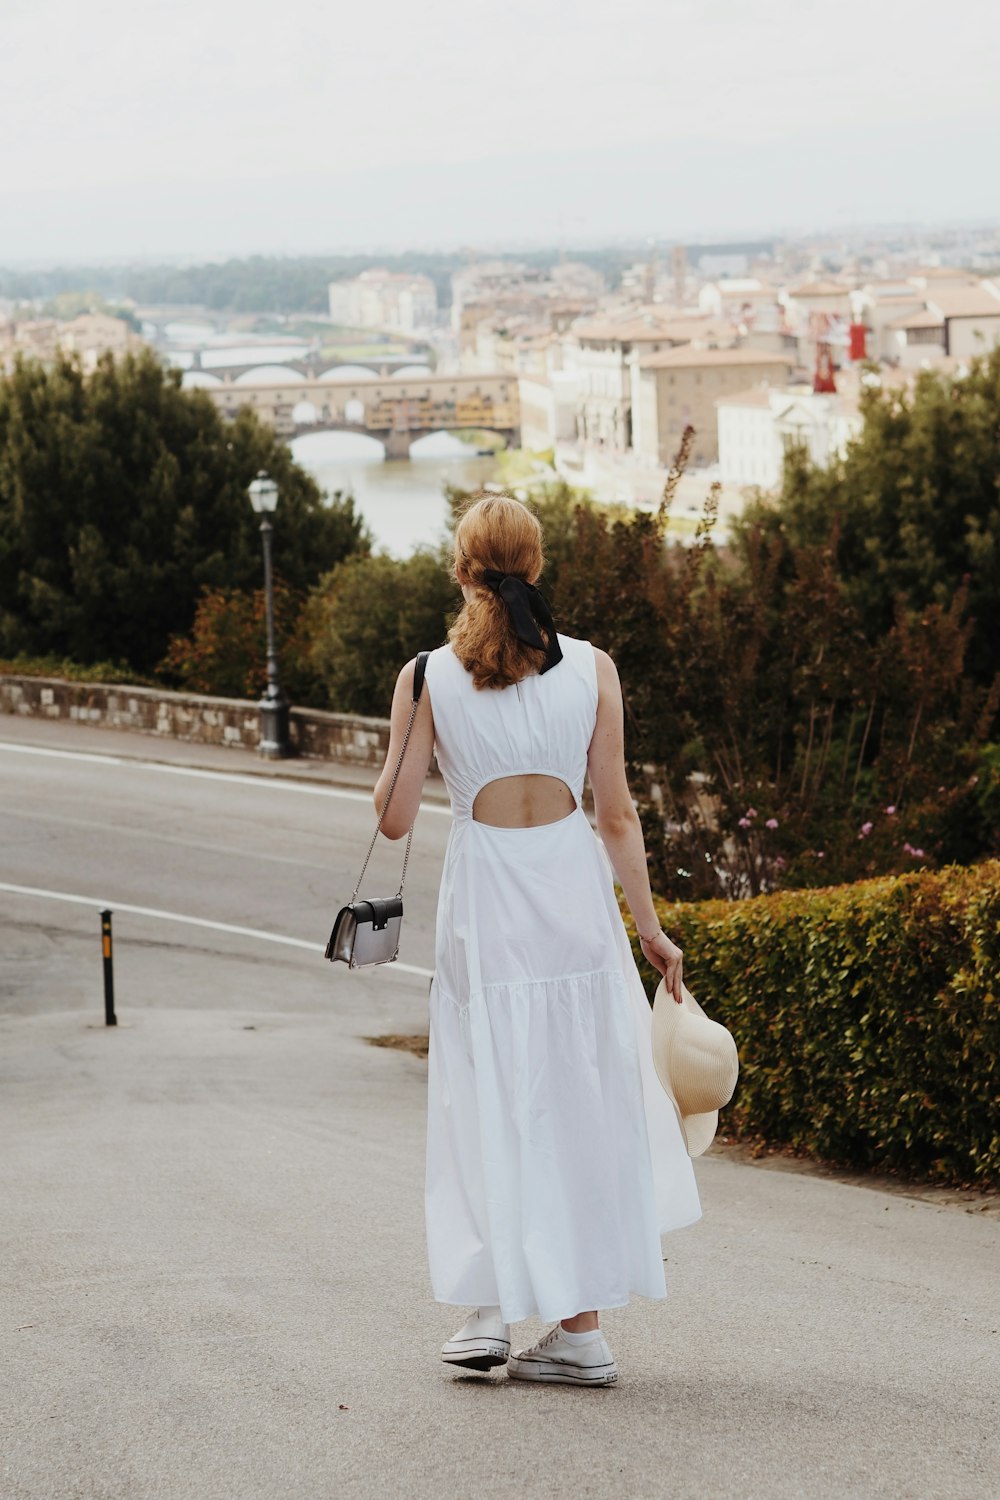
(539, 728)
(528, 801)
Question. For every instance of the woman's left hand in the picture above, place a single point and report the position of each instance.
(667, 959)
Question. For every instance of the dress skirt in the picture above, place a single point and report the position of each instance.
(554, 1158)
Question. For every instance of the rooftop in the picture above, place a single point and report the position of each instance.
(648, 326)
(747, 286)
(922, 319)
(685, 356)
(965, 302)
(843, 400)
(755, 395)
(888, 291)
(820, 289)
(942, 273)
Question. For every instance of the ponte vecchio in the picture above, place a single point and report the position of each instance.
(396, 411)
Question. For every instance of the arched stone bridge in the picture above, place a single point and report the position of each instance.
(395, 411)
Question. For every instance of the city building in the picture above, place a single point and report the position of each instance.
(548, 409)
(94, 334)
(914, 339)
(492, 284)
(970, 317)
(31, 338)
(737, 298)
(605, 351)
(883, 307)
(759, 425)
(756, 428)
(817, 313)
(89, 336)
(678, 387)
(921, 319)
(389, 301)
(503, 314)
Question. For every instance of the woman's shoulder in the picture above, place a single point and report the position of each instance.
(574, 645)
(442, 662)
(581, 654)
(584, 650)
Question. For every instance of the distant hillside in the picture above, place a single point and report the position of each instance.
(286, 284)
(258, 284)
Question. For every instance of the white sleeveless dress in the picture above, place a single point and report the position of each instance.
(554, 1158)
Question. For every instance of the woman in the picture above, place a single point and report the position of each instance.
(554, 1159)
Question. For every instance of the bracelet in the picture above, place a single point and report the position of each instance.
(656, 934)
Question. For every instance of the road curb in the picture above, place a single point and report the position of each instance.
(314, 773)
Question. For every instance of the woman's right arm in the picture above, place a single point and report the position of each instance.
(619, 827)
(405, 802)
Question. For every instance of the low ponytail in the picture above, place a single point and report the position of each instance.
(497, 532)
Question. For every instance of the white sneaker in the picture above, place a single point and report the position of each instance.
(555, 1358)
(482, 1341)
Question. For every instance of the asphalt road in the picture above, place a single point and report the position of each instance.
(212, 1274)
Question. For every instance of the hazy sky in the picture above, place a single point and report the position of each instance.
(207, 126)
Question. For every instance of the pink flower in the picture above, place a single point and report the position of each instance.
(744, 822)
(891, 809)
(751, 812)
(771, 823)
(917, 853)
(866, 829)
(818, 853)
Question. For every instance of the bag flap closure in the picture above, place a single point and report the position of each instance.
(378, 912)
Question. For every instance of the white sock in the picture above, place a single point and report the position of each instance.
(579, 1338)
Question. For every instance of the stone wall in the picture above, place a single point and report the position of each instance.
(189, 716)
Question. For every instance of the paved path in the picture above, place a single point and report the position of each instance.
(212, 1275)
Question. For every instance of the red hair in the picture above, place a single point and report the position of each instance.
(496, 531)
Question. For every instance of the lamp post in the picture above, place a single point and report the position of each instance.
(273, 744)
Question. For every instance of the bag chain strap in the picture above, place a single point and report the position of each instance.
(385, 804)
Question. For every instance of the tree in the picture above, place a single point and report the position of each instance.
(65, 305)
(916, 502)
(123, 496)
(369, 616)
(778, 732)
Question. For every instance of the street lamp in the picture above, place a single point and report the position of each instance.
(273, 742)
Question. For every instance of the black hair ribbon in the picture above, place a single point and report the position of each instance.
(529, 609)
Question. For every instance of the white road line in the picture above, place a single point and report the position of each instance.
(99, 903)
(281, 783)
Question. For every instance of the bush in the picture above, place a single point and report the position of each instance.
(225, 653)
(867, 1017)
(71, 671)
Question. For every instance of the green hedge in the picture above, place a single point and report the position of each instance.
(867, 1018)
(71, 671)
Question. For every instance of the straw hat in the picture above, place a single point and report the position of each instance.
(697, 1063)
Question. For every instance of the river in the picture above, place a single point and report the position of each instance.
(402, 502)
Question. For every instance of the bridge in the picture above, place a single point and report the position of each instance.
(395, 411)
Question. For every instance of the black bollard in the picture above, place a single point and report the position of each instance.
(109, 973)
